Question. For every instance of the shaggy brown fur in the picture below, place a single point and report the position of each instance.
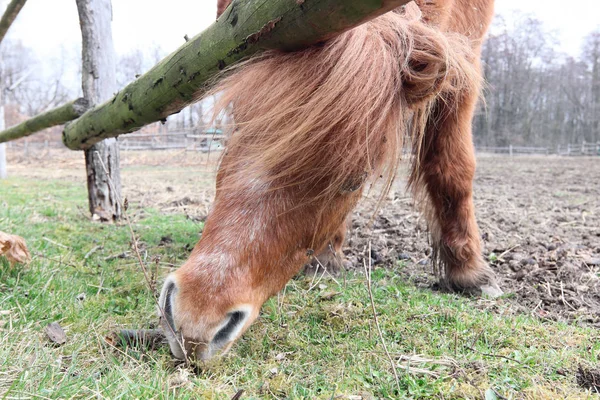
(310, 128)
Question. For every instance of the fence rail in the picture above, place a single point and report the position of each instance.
(197, 140)
(583, 149)
(513, 150)
(202, 142)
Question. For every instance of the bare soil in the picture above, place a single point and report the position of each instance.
(539, 219)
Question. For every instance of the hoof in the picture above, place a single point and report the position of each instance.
(329, 260)
(491, 290)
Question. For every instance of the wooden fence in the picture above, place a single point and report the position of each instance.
(584, 149)
(204, 141)
(191, 141)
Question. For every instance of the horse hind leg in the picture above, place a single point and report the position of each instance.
(443, 174)
(331, 257)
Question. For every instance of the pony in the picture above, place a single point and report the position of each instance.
(311, 127)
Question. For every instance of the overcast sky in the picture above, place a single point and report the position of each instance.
(51, 27)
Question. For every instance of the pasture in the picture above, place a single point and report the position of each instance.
(539, 218)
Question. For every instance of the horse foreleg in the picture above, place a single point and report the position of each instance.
(444, 174)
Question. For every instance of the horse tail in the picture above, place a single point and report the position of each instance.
(326, 117)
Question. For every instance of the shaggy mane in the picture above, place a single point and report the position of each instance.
(325, 118)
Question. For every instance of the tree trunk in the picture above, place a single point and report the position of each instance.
(9, 16)
(99, 84)
(3, 171)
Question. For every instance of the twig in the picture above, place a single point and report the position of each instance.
(498, 356)
(92, 251)
(326, 270)
(421, 371)
(55, 243)
(368, 274)
(59, 261)
(124, 254)
(238, 395)
(101, 283)
(314, 284)
(500, 257)
(139, 256)
(562, 297)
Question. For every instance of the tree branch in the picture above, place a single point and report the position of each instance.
(12, 10)
(245, 28)
(57, 116)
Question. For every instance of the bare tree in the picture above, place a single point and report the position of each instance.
(591, 55)
(536, 95)
(99, 84)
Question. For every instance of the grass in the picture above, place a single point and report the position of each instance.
(319, 343)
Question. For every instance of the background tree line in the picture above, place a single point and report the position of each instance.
(536, 95)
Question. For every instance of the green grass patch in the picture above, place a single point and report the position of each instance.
(318, 343)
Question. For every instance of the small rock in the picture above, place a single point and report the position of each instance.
(56, 333)
(375, 257)
(514, 265)
(81, 296)
(527, 261)
(404, 256)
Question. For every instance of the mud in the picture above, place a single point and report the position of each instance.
(539, 220)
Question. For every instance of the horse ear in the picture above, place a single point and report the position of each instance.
(230, 329)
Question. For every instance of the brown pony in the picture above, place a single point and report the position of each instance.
(310, 128)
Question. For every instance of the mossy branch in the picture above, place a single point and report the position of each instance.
(12, 10)
(246, 27)
(56, 116)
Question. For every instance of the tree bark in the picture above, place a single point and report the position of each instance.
(3, 169)
(245, 28)
(56, 116)
(99, 84)
(9, 16)
(12, 10)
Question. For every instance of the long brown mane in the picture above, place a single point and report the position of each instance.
(325, 118)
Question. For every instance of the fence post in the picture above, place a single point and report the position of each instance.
(510, 150)
(99, 83)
